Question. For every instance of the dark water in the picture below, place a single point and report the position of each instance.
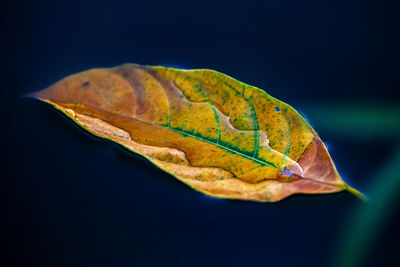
(74, 200)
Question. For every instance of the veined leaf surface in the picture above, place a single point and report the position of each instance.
(222, 137)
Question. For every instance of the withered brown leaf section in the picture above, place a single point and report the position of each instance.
(220, 136)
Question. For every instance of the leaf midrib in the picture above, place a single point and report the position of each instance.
(184, 133)
(265, 163)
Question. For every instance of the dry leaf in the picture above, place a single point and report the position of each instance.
(220, 136)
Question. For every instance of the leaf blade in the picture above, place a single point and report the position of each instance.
(218, 135)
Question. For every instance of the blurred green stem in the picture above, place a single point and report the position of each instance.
(360, 121)
(368, 220)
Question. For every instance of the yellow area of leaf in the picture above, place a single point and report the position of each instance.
(220, 136)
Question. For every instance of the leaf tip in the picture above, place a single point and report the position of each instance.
(29, 95)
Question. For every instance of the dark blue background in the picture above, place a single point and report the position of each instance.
(74, 200)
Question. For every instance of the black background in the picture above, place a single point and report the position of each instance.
(74, 200)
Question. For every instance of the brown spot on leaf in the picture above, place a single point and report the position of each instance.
(85, 84)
